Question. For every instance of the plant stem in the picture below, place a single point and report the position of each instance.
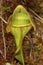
(36, 15)
(3, 20)
(1, 1)
(4, 41)
(1, 53)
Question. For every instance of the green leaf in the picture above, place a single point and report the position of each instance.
(19, 23)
